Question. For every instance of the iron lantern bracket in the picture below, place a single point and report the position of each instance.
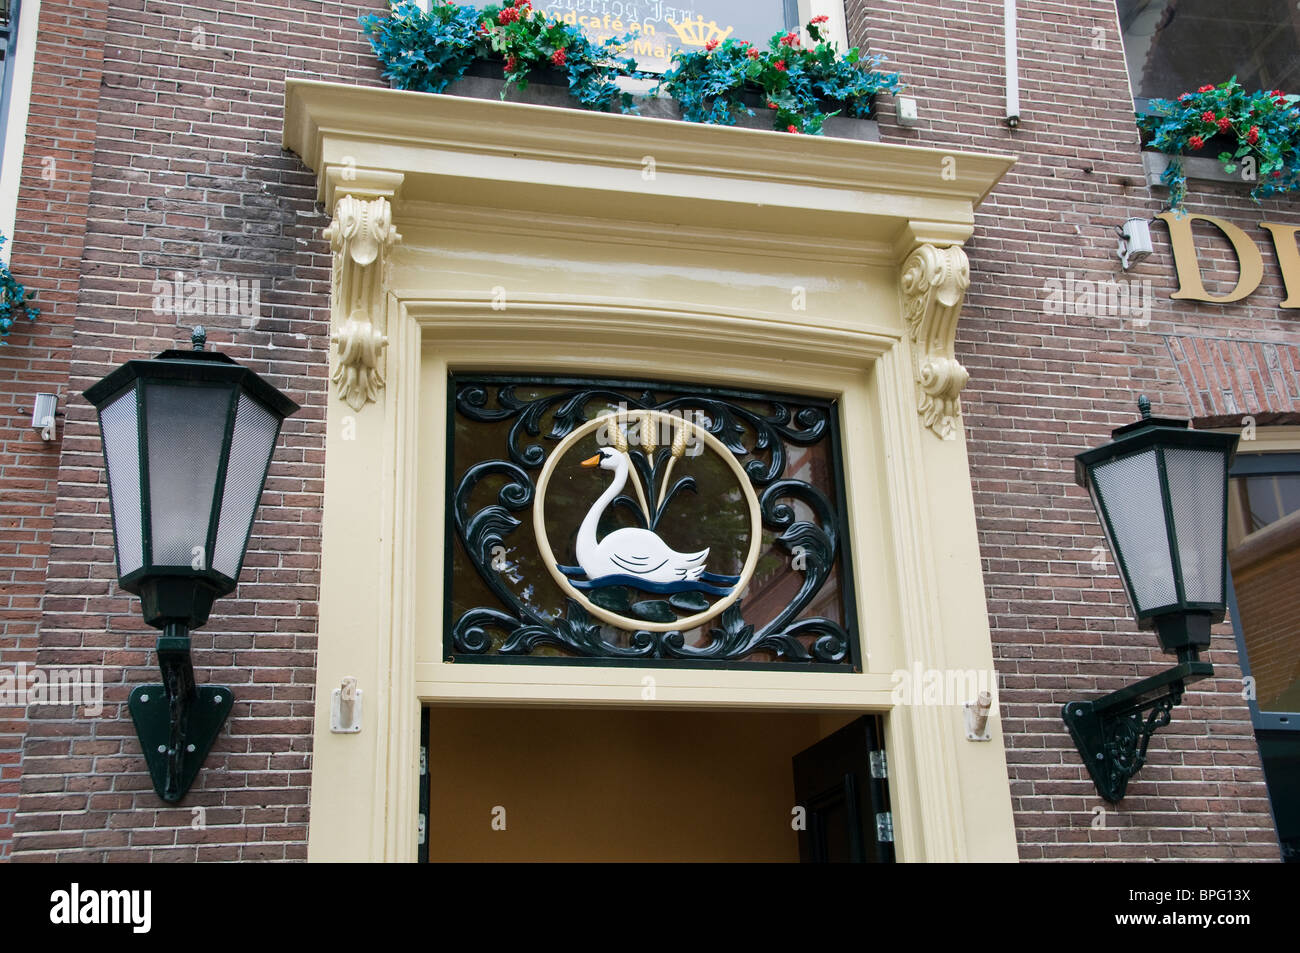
(177, 721)
(1112, 732)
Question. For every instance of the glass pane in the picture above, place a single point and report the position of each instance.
(1197, 481)
(660, 29)
(1269, 498)
(250, 450)
(1268, 607)
(1265, 574)
(1129, 490)
(1177, 46)
(119, 422)
(649, 534)
(186, 428)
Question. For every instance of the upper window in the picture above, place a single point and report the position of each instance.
(1174, 46)
(8, 39)
(645, 522)
(661, 29)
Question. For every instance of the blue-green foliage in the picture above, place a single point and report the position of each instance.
(429, 51)
(424, 51)
(13, 297)
(796, 83)
(1263, 128)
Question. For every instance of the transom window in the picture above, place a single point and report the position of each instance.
(643, 522)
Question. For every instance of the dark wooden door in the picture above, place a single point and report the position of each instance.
(841, 783)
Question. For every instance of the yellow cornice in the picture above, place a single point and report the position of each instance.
(540, 159)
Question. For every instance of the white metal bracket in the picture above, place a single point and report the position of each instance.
(345, 708)
(977, 718)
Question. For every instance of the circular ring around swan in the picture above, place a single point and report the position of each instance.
(656, 418)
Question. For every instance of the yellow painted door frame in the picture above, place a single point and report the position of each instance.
(489, 236)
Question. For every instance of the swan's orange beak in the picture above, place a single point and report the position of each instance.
(591, 461)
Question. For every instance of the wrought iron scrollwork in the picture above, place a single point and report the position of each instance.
(745, 431)
(1127, 738)
(1112, 733)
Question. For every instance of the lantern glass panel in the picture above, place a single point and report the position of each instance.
(1133, 512)
(250, 451)
(1197, 484)
(120, 425)
(186, 431)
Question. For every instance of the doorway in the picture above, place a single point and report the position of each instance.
(564, 784)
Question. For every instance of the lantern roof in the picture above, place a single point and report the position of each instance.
(1147, 432)
(180, 365)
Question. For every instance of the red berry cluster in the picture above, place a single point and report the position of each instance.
(511, 14)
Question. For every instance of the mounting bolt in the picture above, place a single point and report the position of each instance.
(144, 698)
(216, 699)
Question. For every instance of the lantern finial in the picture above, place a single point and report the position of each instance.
(199, 337)
(1144, 406)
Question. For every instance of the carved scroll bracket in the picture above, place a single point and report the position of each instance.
(934, 282)
(360, 235)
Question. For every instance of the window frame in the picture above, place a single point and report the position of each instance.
(1274, 463)
(16, 76)
(847, 597)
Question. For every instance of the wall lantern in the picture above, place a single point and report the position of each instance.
(187, 438)
(1161, 494)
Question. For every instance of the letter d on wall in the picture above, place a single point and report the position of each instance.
(1189, 268)
(1285, 239)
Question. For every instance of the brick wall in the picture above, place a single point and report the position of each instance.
(1045, 386)
(188, 176)
(46, 257)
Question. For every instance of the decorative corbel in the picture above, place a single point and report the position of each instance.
(934, 282)
(360, 235)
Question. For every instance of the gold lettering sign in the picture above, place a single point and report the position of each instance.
(1288, 259)
(1251, 263)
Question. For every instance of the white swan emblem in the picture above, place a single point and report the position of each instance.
(629, 552)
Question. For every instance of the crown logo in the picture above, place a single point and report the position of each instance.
(697, 34)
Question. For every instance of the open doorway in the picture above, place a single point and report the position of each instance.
(547, 784)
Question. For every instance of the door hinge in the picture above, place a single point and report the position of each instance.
(424, 760)
(879, 766)
(885, 828)
(421, 825)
